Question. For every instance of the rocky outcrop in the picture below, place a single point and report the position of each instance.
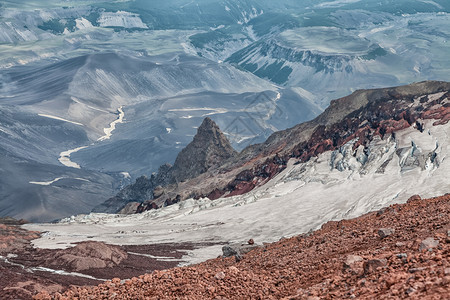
(238, 250)
(13, 237)
(26, 270)
(139, 191)
(209, 148)
(88, 255)
(12, 221)
(349, 127)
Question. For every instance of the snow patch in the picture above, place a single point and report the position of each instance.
(60, 119)
(108, 131)
(158, 258)
(125, 174)
(432, 3)
(82, 23)
(121, 19)
(64, 158)
(48, 270)
(213, 111)
(46, 182)
(337, 3)
(82, 179)
(76, 100)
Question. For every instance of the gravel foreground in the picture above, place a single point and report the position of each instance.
(402, 251)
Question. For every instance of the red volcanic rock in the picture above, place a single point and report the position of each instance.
(354, 264)
(220, 275)
(215, 194)
(13, 237)
(414, 198)
(371, 265)
(247, 180)
(442, 114)
(242, 188)
(311, 266)
(146, 206)
(88, 255)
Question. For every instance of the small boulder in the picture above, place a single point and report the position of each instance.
(373, 264)
(219, 275)
(237, 250)
(385, 232)
(428, 243)
(351, 259)
(353, 263)
(414, 198)
(399, 244)
(229, 250)
(251, 242)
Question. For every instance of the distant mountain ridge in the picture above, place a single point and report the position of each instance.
(353, 122)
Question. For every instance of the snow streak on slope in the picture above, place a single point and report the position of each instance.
(64, 157)
(301, 198)
(60, 119)
(46, 182)
(108, 131)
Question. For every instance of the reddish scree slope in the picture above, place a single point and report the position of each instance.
(344, 259)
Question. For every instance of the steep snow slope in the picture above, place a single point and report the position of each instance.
(300, 199)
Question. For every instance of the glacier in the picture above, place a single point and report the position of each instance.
(298, 200)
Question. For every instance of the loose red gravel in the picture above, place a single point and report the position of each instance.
(316, 266)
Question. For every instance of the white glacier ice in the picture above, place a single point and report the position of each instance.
(121, 19)
(301, 198)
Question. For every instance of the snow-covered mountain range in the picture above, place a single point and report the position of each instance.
(94, 94)
(366, 151)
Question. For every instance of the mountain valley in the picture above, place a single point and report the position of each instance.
(202, 149)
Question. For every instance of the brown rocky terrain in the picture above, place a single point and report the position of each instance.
(26, 271)
(400, 251)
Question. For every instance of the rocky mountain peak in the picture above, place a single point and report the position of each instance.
(208, 148)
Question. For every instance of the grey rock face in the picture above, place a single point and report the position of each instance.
(237, 250)
(209, 148)
(140, 191)
(385, 232)
(428, 243)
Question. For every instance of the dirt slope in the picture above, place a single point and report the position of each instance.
(398, 252)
